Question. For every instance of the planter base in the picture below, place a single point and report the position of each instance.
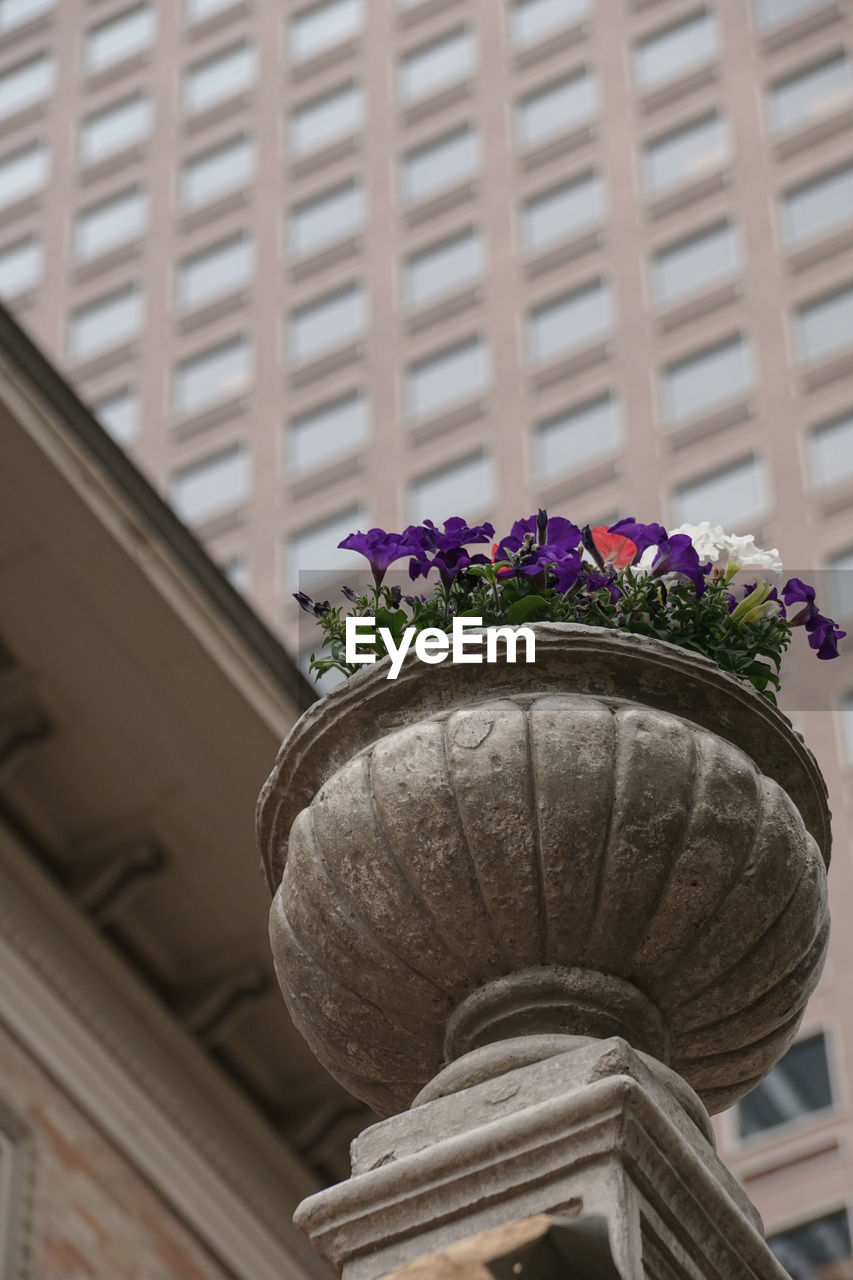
(600, 1130)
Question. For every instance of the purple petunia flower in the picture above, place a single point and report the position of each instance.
(642, 535)
(677, 555)
(448, 547)
(381, 549)
(558, 532)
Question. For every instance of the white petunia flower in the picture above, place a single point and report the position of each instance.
(743, 553)
(708, 539)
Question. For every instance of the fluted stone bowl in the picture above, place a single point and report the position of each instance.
(617, 839)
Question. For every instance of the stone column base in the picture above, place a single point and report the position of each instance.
(600, 1130)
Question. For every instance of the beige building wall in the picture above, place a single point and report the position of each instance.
(594, 256)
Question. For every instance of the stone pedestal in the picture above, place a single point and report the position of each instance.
(599, 1130)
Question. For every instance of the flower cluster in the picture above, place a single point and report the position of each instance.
(682, 585)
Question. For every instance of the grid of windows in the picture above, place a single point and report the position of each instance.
(220, 373)
(547, 112)
(818, 206)
(322, 26)
(211, 486)
(21, 266)
(692, 264)
(118, 38)
(323, 121)
(439, 164)
(825, 326)
(463, 485)
(218, 78)
(327, 322)
(569, 322)
(214, 272)
(326, 218)
(328, 432)
(105, 226)
(705, 379)
(666, 55)
(119, 126)
(446, 378)
(734, 496)
(686, 154)
(810, 94)
(428, 70)
(532, 21)
(562, 212)
(217, 172)
(25, 84)
(107, 322)
(442, 268)
(576, 437)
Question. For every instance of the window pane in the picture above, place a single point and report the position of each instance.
(731, 497)
(329, 322)
(236, 570)
(116, 221)
(706, 379)
(316, 548)
(534, 20)
(326, 433)
(555, 109)
(197, 10)
(844, 712)
(119, 414)
(114, 129)
(15, 12)
(825, 326)
(119, 38)
(840, 583)
(218, 374)
(569, 322)
(807, 96)
(20, 266)
(577, 437)
(25, 84)
(562, 212)
(216, 271)
(322, 121)
(447, 378)
(463, 486)
(427, 70)
(818, 206)
(443, 268)
(808, 1252)
(218, 78)
(323, 26)
(675, 51)
(831, 451)
(215, 173)
(329, 217)
(216, 484)
(22, 173)
(685, 155)
(796, 1086)
(690, 265)
(772, 13)
(440, 164)
(106, 323)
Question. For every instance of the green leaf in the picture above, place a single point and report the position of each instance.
(526, 608)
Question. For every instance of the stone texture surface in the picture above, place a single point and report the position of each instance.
(595, 1131)
(620, 808)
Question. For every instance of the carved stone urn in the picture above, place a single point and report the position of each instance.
(478, 868)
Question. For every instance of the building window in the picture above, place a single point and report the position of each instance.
(463, 485)
(445, 379)
(840, 584)
(694, 263)
(108, 322)
(216, 271)
(809, 95)
(218, 374)
(236, 570)
(555, 109)
(23, 172)
(814, 1249)
(831, 451)
(25, 84)
(818, 206)
(328, 432)
(706, 379)
(331, 321)
(675, 51)
(322, 121)
(773, 13)
(209, 487)
(218, 78)
(734, 496)
(825, 325)
(569, 322)
(316, 549)
(797, 1086)
(110, 223)
(122, 125)
(443, 268)
(535, 20)
(198, 10)
(562, 212)
(217, 173)
(440, 164)
(427, 70)
(685, 155)
(577, 437)
(21, 266)
(119, 414)
(119, 38)
(327, 218)
(323, 26)
(14, 13)
(844, 712)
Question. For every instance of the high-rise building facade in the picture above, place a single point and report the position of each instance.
(326, 265)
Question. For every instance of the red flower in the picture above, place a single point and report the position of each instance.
(616, 550)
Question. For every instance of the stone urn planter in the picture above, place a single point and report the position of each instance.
(472, 866)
